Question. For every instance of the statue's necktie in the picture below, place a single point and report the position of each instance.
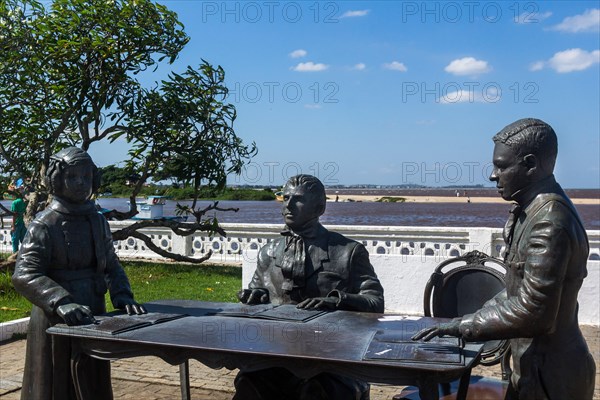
(293, 262)
(509, 228)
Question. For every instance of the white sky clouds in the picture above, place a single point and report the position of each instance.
(570, 60)
(306, 66)
(491, 94)
(589, 21)
(537, 66)
(354, 13)
(310, 67)
(460, 96)
(359, 67)
(298, 53)
(468, 66)
(395, 66)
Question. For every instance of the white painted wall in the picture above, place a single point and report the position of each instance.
(404, 278)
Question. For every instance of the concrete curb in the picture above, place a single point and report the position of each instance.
(10, 328)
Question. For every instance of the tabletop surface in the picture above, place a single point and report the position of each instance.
(340, 337)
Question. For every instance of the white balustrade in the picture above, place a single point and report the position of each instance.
(438, 242)
(403, 257)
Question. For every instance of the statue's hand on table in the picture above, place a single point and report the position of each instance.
(253, 296)
(449, 328)
(320, 303)
(129, 305)
(75, 314)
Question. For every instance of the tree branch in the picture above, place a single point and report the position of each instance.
(111, 129)
(177, 257)
(179, 228)
(198, 214)
(9, 263)
(6, 211)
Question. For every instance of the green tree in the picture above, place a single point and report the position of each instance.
(112, 175)
(69, 75)
(4, 190)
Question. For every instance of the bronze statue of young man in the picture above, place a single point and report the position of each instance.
(546, 256)
(65, 266)
(315, 269)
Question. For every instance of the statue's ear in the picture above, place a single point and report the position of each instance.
(320, 209)
(532, 163)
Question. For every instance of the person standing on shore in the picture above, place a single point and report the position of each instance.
(18, 229)
(546, 257)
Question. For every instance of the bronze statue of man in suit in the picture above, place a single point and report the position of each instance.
(316, 269)
(546, 257)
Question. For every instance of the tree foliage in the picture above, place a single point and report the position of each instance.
(70, 75)
(112, 175)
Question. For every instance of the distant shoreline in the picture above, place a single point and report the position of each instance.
(438, 199)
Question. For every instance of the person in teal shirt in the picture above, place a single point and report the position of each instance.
(17, 231)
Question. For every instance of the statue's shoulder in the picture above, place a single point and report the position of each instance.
(46, 217)
(552, 196)
(545, 198)
(557, 210)
(555, 204)
(337, 239)
(271, 249)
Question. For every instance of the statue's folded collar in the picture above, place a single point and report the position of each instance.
(64, 207)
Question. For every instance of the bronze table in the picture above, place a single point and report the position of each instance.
(333, 342)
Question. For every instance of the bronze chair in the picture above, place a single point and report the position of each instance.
(460, 286)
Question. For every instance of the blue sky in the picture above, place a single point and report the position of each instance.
(391, 92)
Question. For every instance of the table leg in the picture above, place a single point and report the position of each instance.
(429, 390)
(90, 376)
(463, 385)
(184, 380)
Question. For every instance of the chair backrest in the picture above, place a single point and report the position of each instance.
(462, 285)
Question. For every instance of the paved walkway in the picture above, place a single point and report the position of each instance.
(151, 378)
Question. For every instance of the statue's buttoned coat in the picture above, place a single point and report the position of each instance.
(546, 264)
(67, 257)
(334, 265)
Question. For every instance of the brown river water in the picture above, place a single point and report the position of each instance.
(491, 215)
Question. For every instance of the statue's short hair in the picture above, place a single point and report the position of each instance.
(531, 136)
(312, 183)
(65, 158)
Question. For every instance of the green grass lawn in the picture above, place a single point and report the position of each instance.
(149, 281)
(12, 305)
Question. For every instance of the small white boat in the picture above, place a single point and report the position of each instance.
(152, 208)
